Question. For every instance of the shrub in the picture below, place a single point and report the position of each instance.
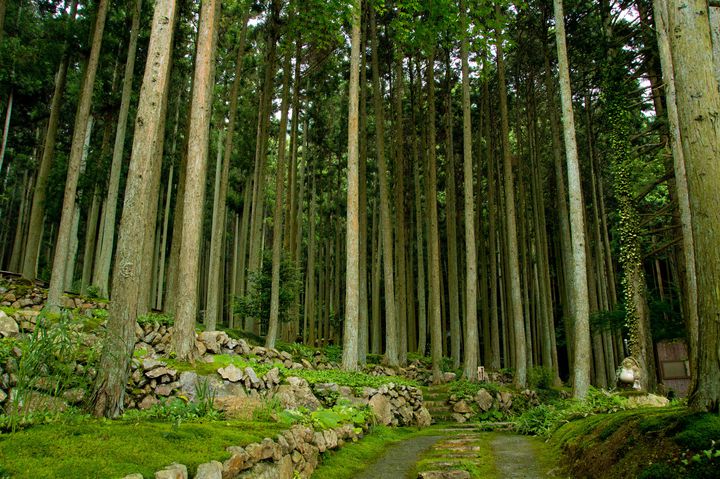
(539, 377)
(152, 318)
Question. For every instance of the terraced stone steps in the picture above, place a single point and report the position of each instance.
(435, 399)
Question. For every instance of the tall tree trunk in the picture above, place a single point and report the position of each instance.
(120, 339)
(518, 323)
(76, 152)
(363, 318)
(37, 209)
(401, 294)
(435, 318)
(698, 104)
(200, 110)
(391, 326)
(581, 378)
(471, 327)
(277, 216)
(352, 263)
(451, 219)
(213, 311)
(102, 277)
(258, 203)
(681, 180)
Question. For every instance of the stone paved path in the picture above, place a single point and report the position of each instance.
(399, 459)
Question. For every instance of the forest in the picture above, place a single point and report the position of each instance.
(497, 188)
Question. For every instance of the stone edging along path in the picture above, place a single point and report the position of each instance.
(294, 453)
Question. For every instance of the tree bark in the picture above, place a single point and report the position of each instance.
(120, 339)
(471, 327)
(200, 110)
(76, 152)
(277, 216)
(37, 209)
(698, 105)
(518, 323)
(391, 326)
(581, 378)
(352, 266)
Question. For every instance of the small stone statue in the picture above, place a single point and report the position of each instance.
(628, 374)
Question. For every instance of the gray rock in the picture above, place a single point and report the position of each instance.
(484, 400)
(3, 396)
(272, 377)
(456, 474)
(149, 364)
(462, 407)
(423, 417)
(209, 470)
(148, 402)
(239, 461)
(173, 471)
(380, 406)
(209, 339)
(251, 378)
(231, 372)
(161, 371)
(8, 326)
(137, 475)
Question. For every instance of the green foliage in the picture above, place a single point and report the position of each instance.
(93, 292)
(333, 353)
(159, 318)
(256, 304)
(539, 377)
(48, 362)
(353, 379)
(544, 419)
(468, 389)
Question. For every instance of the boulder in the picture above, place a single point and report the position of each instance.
(484, 400)
(173, 471)
(462, 407)
(231, 372)
(161, 371)
(251, 379)
(209, 339)
(137, 475)
(8, 326)
(647, 400)
(239, 461)
(423, 417)
(380, 406)
(209, 470)
(297, 393)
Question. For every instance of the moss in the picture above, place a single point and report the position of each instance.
(482, 465)
(698, 431)
(102, 448)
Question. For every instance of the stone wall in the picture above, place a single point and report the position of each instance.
(293, 453)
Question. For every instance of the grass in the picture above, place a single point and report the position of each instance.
(94, 448)
(354, 458)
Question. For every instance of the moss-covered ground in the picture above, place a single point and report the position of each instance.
(668, 443)
(90, 448)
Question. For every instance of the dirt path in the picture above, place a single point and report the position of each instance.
(399, 459)
(516, 457)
